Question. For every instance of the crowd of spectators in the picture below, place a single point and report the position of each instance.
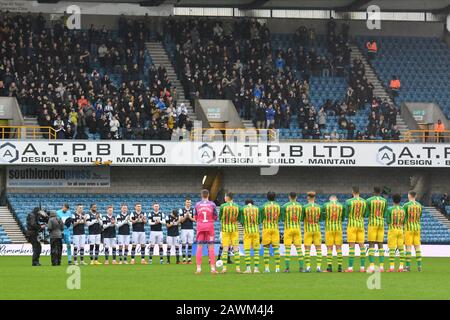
(97, 83)
(236, 61)
(63, 77)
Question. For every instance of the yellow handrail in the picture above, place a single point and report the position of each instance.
(430, 135)
(27, 132)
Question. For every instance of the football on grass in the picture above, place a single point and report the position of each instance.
(219, 263)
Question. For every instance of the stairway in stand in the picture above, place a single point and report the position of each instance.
(10, 226)
(379, 90)
(160, 58)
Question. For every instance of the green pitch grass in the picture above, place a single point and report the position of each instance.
(18, 280)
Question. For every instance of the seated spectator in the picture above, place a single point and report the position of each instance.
(343, 123)
(316, 133)
(306, 132)
(395, 134)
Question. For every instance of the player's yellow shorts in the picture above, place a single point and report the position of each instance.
(313, 238)
(270, 236)
(395, 239)
(251, 240)
(355, 235)
(292, 236)
(412, 238)
(230, 238)
(333, 238)
(375, 234)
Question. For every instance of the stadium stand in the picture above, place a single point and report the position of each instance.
(293, 82)
(433, 232)
(96, 83)
(3, 236)
(424, 77)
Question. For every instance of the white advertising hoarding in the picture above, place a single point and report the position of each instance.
(154, 153)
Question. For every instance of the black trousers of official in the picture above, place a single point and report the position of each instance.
(56, 251)
(37, 248)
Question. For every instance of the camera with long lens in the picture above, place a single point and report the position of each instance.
(43, 216)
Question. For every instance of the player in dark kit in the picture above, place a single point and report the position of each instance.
(156, 219)
(186, 215)
(79, 237)
(109, 234)
(124, 230)
(173, 235)
(138, 221)
(94, 223)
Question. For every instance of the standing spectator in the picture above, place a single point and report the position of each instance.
(322, 118)
(372, 49)
(439, 130)
(270, 116)
(55, 227)
(394, 86)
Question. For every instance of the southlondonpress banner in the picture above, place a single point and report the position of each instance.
(154, 153)
(25, 249)
(47, 177)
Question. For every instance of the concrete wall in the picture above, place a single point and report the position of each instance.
(330, 180)
(139, 180)
(357, 27)
(249, 180)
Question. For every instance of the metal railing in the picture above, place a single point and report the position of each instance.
(427, 136)
(252, 134)
(27, 132)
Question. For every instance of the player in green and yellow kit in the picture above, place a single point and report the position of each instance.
(376, 212)
(355, 209)
(228, 217)
(413, 211)
(395, 219)
(250, 219)
(311, 230)
(291, 215)
(271, 213)
(333, 213)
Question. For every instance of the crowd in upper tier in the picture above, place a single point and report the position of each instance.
(101, 84)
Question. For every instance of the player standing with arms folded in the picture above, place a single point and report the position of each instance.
(250, 218)
(187, 229)
(205, 215)
(79, 237)
(376, 211)
(124, 228)
(355, 209)
(312, 215)
(109, 234)
(173, 235)
(94, 222)
(271, 213)
(333, 212)
(291, 215)
(64, 213)
(395, 218)
(138, 221)
(156, 219)
(229, 217)
(413, 211)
